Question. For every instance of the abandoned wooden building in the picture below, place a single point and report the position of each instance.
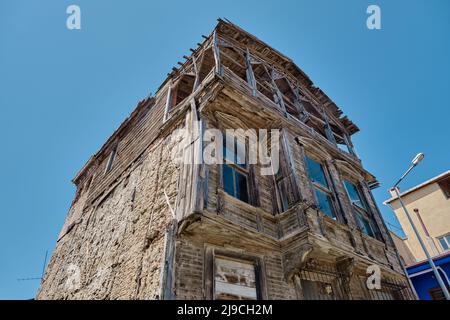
(143, 226)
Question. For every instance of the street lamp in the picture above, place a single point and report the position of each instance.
(417, 159)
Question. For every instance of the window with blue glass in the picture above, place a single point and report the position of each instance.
(316, 172)
(360, 209)
(355, 195)
(322, 190)
(235, 169)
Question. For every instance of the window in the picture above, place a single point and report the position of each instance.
(360, 209)
(287, 191)
(111, 159)
(318, 290)
(178, 93)
(321, 189)
(355, 195)
(322, 281)
(364, 224)
(281, 184)
(316, 172)
(234, 279)
(445, 242)
(235, 169)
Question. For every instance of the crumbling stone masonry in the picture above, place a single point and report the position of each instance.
(143, 226)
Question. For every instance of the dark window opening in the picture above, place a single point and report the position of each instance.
(310, 109)
(283, 189)
(181, 91)
(207, 64)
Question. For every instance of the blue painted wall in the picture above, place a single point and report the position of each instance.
(424, 282)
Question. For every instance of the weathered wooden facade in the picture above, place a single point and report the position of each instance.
(143, 226)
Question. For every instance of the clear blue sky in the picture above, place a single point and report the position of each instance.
(62, 92)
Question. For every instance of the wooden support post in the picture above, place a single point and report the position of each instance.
(278, 93)
(197, 76)
(200, 182)
(216, 51)
(186, 197)
(298, 104)
(349, 144)
(168, 103)
(293, 174)
(328, 130)
(250, 75)
(167, 276)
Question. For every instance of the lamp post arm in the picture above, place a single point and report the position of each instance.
(403, 176)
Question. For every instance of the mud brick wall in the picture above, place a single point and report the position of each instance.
(116, 251)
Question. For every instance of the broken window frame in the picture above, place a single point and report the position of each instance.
(321, 188)
(361, 212)
(358, 193)
(211, 253)
(280, 184)
(172, 96)
(246, 296)
(288, 192)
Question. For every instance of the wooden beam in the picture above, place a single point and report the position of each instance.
(168, 102)
(349, 144)
(250, 75)
(216, 51)
(328, 130)
(278, 93)
(197, 76)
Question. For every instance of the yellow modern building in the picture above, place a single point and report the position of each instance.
(429, 206)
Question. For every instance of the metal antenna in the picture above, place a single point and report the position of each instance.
(45, 262)
(43, 271)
